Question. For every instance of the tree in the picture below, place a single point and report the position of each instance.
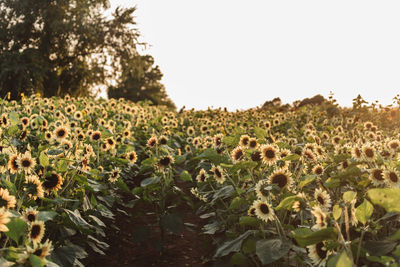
(140, 80)
(58, 47)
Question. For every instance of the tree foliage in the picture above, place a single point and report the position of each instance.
(140, 80)
(59, 47)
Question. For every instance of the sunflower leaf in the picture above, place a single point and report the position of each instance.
(271, 250)
(16, 229)
(232, 245)
(364, 211)
(287, 203)
(389, 198)
(307, 237)
(339, 260)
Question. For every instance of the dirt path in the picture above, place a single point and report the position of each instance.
(186, 249)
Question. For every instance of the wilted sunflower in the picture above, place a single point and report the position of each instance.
(392, 177)
(12, 164)
(323, 198)
(218, 174)
(282, 178)
(261, 189)
(114, 175)
(6, 200)
(376, 176)
(60, 133)
(33, 187)
(36, 231)
(4, 219)
(263, 210)
(26, 162)
(202, 176)
(318, 254)
(320, 218)
(269, 154)
(237, 154)
(52, 182)
(30, 215)
(40, 250)
(368, 152)
(165, 161)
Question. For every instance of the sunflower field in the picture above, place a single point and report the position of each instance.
(317, 185)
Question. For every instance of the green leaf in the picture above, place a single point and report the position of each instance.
(239, 259)
(14, 118)
(149, 181)
(44, 159)
(46, 215)
(185, 176)
(35, 261)
(364, 211)
(395, 236)
(287, 203)
(389, 198)
(260, 133)
(249, 246)
(237, 203)
(232, 245)
(349, 196)
(248, 221)
(122, 185)
(16, 228)
(61, 166)
(379, 248)
(54, 152)
(271, 250)
(243, 165)
(76, 218)
(172, 222)
(292, 157)
(337, 212)
(307, 180)
(340, 260)
(305, 238)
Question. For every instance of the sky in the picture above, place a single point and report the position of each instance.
(239, 54)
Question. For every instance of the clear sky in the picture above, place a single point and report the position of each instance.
(239, 54)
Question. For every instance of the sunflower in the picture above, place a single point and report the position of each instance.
(6, 200)
(320, 218)
(323, 198)
(52, 182)
(40, 250)
(132, 157)
(165, 161)
(237, 154)
(152, 142)
(318, 169)
(269, 154)
(26, 162)
(368, 152)
(202, 176)
(25, 122)
(377, 177)
(60, 133)
(318, 254)
(12, 164)
(392, 178)
(244, 140)
(114, 175)
(394, 145)
(218, 140)
(263, 210)
(163, 140)
(30, 215)
(95, 136)
(36, 231)
(356, 153)
(4, 219)
(218, 174)
(309, 155)
(282, 178)
(33, 186)
(251, 211)
(110, 142)
(4, 120)
(261, 189)
(190, 131)
(253, 143)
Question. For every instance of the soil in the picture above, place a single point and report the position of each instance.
(188, 248)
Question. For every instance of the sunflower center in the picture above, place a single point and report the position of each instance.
(393, 177)
(3, 202)
(280, 179)
(96, 136)
(31, 217)
(318, 170)
(321, 253)
(163, 141)
(270, 154)
(238, 154)
(25, 163)
(165, 161)
(369, 153)
(253, 144)
(35, 231)
(264, 208)
(378, 175)
(321, 200)
(61, 133)
(217, 173)
(51, 181)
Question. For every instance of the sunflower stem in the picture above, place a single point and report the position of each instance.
(359, 246)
